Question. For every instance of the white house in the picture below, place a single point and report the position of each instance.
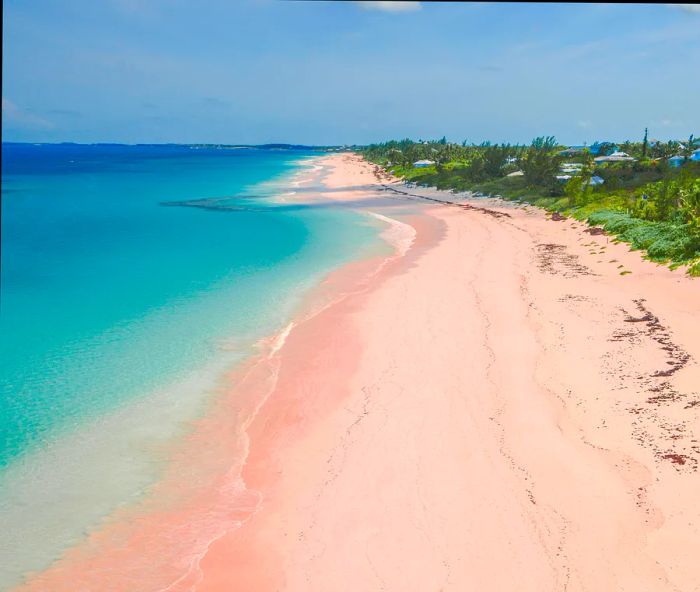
(615, 157)
(419, 164)
(571, 167)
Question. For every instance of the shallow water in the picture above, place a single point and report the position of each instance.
(119, 313)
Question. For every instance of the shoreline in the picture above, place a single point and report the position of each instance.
(581, 488)
(239, 404)
(497, 408)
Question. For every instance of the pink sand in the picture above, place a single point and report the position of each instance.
(498, 409)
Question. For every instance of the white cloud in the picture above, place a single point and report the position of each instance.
(688, 7)
(388, 6)
(13, 114)
(668, 123)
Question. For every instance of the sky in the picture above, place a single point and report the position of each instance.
(315, 72)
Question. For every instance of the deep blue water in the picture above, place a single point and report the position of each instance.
(108, 294)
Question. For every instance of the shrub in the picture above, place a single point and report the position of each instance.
(663, 241)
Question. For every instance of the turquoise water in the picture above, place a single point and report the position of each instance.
(107, 294)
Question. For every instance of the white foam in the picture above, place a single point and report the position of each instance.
(399, 235)
(280, 339)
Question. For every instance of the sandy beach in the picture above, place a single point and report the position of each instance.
(507, 402)
(501, 410)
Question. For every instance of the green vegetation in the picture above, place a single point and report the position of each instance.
(643, 200)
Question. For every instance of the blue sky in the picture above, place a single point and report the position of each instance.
(257, 71)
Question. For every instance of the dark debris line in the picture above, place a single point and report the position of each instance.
(493, 213)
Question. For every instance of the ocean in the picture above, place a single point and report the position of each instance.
(133, 277)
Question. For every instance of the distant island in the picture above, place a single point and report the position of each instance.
(264, 146)
(194, 146)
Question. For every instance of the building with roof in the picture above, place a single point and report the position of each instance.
(616, 156)
(420, 164)
(571, 167)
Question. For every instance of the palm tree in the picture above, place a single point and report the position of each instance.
(645, 143)
(689, 147)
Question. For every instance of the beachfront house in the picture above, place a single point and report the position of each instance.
(616, 156)
(420, 164)
(695, 155)
(568, 170)
(571, 167)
